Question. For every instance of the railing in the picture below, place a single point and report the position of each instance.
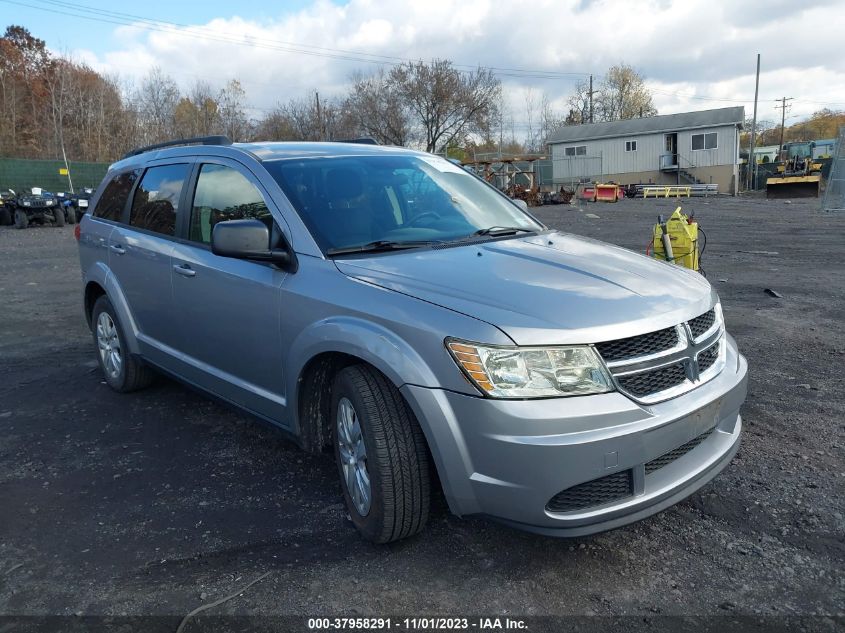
(675, 161)
(669, 191)
(668, 161)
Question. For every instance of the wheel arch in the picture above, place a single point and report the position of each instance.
(93, 291)
(330, 345)
(100, 281)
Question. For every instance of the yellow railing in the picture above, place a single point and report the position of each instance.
(667, 191)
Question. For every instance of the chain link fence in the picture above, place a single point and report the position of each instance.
(834, 195)
(19, 174)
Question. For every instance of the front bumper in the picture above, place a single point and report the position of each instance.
(507, 459)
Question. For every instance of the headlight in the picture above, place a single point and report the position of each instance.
(532, 372)
(49, 203)
(27, 203)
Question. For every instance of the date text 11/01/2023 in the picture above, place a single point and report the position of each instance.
(417, 624)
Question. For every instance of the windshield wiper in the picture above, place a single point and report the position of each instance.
(380, 245)
(496, 231)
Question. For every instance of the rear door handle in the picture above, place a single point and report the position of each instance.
(184, 270)
(117, 248)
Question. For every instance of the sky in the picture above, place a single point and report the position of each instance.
(694, 54)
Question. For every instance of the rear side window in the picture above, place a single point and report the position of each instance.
(157, 199)
(224, 194)
(113, 200)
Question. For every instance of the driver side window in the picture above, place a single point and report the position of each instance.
(223, 193)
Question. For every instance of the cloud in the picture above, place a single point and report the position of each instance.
(686, 49)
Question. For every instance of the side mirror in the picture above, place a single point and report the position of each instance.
(522, 204)
(248, 239)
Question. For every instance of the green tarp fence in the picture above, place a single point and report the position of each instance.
(18, 174)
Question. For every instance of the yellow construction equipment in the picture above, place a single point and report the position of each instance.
(798, 174)
(676, 240)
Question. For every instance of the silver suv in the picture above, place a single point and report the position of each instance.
(387, 305)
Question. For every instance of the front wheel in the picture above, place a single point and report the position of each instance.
(70, 212)
(381, 456)
(21, 221)
(5, 217)
(58, 217)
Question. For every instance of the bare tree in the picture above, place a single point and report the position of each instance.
(445, 103)
(550, 120)
(207, 109)
(232, 115)
(533, 135)
(622, 94)
(376, 107)
(156, 100)
(579, 104)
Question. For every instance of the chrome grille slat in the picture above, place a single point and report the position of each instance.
(648, 382)
(708, 358)
(700, 325)
(634, 346)
(665, 363)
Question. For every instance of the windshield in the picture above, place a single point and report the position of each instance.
(359, 200)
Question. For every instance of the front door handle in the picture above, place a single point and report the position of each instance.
(184, 270)
(117, 248)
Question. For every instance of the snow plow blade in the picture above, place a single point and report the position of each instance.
(793, 187)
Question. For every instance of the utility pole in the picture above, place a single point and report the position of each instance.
(319, 118)
(591, 98)
(783, 108)
(752, 162)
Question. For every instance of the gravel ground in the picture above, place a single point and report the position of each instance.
(160, 501)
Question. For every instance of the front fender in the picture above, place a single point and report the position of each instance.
(369, 341)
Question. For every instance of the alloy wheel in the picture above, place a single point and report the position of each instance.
(353, 456)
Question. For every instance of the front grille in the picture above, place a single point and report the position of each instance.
(592, 493)
(700, 324)
(649, 382)
(671, 456)
(641, 345)
(707, 358)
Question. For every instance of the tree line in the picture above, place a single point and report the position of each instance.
(52, 106)
(823, 124)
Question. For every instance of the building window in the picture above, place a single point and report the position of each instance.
(704, 141)
(630, 146)
(578, 150)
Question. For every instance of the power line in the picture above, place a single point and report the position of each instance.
(126, 19)
(118, 18)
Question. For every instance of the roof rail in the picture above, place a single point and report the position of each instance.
(364, 140)
(198, 140)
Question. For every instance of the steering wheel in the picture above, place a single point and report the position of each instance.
(425, 214)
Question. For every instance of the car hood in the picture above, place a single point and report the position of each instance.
(552, 288)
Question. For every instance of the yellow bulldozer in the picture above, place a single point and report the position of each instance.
(798, 174)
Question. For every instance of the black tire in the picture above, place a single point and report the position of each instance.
(397, 457)
(21, 221)
(133, 374)
(6, 217)
(70, 215)
(58, 216)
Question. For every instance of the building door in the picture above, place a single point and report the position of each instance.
(671, 148)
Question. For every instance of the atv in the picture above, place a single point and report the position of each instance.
(7, 207)
(39, 206)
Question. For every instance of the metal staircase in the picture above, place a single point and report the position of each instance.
(685, 175)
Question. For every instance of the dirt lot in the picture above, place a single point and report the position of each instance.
(160, 501)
